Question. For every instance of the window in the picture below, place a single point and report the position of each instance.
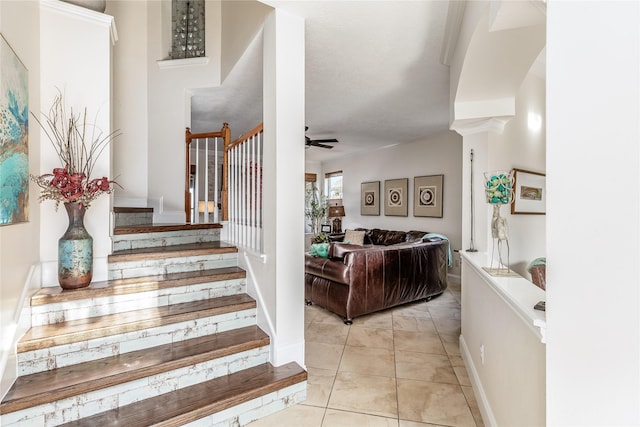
(333, 185)
(187, 29)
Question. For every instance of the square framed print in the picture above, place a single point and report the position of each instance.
(530, 195)
(396, 197)
(370, 198)
(325, 228)
(427, 195)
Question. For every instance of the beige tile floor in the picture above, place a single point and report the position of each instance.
(396, 368)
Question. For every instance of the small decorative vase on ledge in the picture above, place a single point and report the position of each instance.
(75, 251)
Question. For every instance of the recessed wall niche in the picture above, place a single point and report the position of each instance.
(187, 29)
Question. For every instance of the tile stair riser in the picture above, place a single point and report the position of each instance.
(86, 404)
(132, 218)
(152, 267)
(100, 306)
(160, 239)
(31, 362)
(254, 409)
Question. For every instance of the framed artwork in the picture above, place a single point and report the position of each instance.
(14, 131)
(396, 197)
(325, 228)
(370, 198)
(530, 195)
(427, 196)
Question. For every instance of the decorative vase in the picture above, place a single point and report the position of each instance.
(75, 251)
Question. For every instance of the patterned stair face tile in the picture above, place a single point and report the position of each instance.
(180, 264)
(33, 361)
(161, 239)
(132, 218)
(100, 306)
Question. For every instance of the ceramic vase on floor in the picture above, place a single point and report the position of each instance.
(75, 251)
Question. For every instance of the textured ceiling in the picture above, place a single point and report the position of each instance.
(373, 76)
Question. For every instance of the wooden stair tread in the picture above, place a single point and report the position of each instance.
(107, 288)
(159, 252)
(101, 326)
(188, 404)
(45, 387)
(123, 209)
(158, 228)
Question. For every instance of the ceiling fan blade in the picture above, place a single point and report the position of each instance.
(325, 140)
(316, 144)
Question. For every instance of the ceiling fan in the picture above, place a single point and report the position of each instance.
(318, 142)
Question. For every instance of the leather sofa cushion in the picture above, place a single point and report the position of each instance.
(415, 236)
(387, 237)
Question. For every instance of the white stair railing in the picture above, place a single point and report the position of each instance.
(204, 199)
(244, 171)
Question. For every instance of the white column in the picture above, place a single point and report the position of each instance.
(284, 60)
(75, 46)
(593, 213)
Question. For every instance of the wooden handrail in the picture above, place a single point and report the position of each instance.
(256, 130)
(225, 134)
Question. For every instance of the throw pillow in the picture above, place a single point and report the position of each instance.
(319, 249)
(354, 237)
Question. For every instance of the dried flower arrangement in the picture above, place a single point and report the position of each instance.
(78, 145)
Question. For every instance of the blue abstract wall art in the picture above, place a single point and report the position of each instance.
(14, 137)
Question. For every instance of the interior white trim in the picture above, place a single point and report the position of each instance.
(165, 64)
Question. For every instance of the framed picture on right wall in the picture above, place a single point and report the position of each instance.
(427, 197)
(530, 195)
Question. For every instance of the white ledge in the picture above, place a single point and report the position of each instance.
(181, 63)
(84, 14)
(517, 292)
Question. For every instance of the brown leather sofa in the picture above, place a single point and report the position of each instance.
(391, 268)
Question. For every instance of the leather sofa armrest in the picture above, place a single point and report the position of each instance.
(331, 269)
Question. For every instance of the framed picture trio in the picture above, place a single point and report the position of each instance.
(394, 198)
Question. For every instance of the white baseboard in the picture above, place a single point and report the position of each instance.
(481, 397)
(288, 353)
(11, 333)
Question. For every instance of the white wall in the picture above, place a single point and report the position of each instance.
(522, 146)
(20, 243)
(242, 20)
(130, 112)
(435, 155)
(593, 219)
(168, 105)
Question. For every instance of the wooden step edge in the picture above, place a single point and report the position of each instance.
(162, 228)
(189, 404)
(47, 387)
(39, 337)
(173, 251)
(123, 209)
(52, 295)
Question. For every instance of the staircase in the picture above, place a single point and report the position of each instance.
(169, 340)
